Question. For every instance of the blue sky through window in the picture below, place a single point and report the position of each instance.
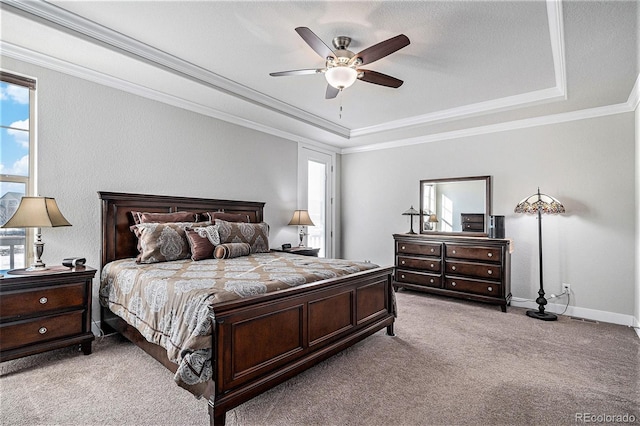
(14, 135)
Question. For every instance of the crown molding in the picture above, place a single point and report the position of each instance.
(500, 127)
(68, 21)
(16, 52)
(634, 96)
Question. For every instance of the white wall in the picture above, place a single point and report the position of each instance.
(589, 165)
(93, 138)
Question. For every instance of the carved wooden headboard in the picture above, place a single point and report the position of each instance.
(118, 242)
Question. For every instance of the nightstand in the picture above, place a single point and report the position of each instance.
(304, 251)
(41, 311)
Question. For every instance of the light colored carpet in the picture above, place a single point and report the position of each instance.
(451, 362)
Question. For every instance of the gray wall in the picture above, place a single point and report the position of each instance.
(589, 165)
(93, 138)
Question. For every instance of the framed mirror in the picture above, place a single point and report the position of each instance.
(456, 205)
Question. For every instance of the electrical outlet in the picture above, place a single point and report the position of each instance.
(566, 288)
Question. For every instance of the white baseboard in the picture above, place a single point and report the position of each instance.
(586, 313)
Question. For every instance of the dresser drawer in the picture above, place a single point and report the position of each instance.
(13, 335)
(486, 288)
(422, 263)
(421, 249)
(487, 254)
(480, 270)
(38, 300)
(473, 227)
(409, 277)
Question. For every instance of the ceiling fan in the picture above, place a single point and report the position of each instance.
(342, 67)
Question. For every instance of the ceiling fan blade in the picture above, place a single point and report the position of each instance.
(315, 42)
(297, 72)
(332, 92)
(379, 78)
(382, 49)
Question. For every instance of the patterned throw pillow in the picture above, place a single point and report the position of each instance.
(254, 234)
(162, 242)
(202, 241)
(144, 217)
(231, 250)
(229, 217)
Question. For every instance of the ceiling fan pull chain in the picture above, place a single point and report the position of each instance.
(340, 113)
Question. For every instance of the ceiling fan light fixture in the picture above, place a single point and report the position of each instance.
(341, 77)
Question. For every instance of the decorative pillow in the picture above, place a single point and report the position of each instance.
(144, 217)
(254, 234)
(229, 217)
(202, 241)
(162, 242)
(230, 250)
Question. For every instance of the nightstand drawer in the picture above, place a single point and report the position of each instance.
(40, 329)
(21, 303)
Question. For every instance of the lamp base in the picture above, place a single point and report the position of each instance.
(544, 316)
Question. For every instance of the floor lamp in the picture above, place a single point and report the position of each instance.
(539, 204)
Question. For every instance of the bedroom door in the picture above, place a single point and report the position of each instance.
(316, 195)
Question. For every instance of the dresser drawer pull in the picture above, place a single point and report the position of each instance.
(454, 252)
(43, 300)
(453, 268)
(402, 262)
(432, 250)
(431, 280)
(490, 288)
(42, 330)
(490, 272)
(431, 265)
(402, 276)
(453, 284)
(403, 247)
(490, 254)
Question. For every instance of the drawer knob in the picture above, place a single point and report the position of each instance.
(490, 272)
(431, 281)
(403, 247)
(432, 250)
(431, 265)
(453, 268)
(43, 300)
(490, 288)
(42, 330)
(453, 284)
(454, 252)
(402, 262)
(402, 276)
(490, 254)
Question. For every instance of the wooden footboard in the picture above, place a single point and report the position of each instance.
(259, 345)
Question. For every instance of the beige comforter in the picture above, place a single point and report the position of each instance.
(170, 303)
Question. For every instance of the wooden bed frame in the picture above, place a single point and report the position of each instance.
(294, 328)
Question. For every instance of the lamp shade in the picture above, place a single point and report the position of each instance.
(301, 217)
(411, 212)
(538, 202)
(37, 212)
(341, 76)
(433, 218)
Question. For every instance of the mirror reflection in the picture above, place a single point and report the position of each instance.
(455, 205)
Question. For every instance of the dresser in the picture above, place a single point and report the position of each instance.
(45, 310)
(473, 268)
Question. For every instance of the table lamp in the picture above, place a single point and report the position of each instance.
(301, 218)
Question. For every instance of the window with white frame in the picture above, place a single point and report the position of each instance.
(17, 106)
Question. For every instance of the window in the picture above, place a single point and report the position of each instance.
(17, 95)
